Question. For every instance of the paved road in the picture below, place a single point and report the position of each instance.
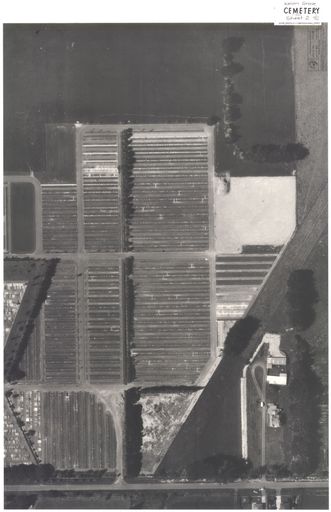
(123, 486)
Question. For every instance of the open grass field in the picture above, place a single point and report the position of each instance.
(253, 422)
(60, 154)
(196, 500)
(311, 123)
(84, 502)
(139, 73)
(256, 210)
(275, 450)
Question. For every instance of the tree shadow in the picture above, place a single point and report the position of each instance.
(240, 334)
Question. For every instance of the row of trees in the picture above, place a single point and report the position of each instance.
(231, 99)
(271, 153)
(134, 432)
(228, 468)
(42, 473)
(28, 473)
(130, 308)
(259, 153)
(303, 411)
(221, 467)
(127, 181)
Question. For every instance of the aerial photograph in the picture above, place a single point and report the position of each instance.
(165, 266)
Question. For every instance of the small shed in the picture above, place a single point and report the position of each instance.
(273, 416)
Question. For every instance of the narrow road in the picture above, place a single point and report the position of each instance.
(122, 486)
(262, 395)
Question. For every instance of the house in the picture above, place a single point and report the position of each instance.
(276, 360)
(277, 380)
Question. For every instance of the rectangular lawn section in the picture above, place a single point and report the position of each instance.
(60, 153)
(23, 230)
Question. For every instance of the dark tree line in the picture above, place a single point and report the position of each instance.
(130, 308)
(220, 467)
(270, 471)
(81, 476)
(301, 297)
(259, 153)
(272, 153)
(133, 433)
(28, 473)
(127, 181)
(41, 473)
(231, 99)
(303, 413)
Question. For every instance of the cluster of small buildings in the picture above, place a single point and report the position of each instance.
(16, 450)
(276, 375)
(13, 295)
(28, 406)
